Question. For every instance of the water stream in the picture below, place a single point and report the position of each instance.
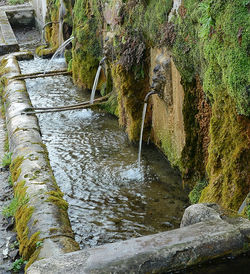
(92, 96)
(141, 133)
(110, 198)
(58, 52)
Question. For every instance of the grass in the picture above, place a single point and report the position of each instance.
(14, 205)
(18, 265)
(6, 161)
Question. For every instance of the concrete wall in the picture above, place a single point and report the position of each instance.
(40, 8)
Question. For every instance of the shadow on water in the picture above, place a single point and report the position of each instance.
(110, 198)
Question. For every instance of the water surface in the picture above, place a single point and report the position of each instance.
(109, 197)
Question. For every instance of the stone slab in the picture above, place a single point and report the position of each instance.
(167, 251)
(49, 218)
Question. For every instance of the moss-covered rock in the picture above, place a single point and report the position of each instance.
(228, 158)
(131, 93)
(45, 51)
(86, 52)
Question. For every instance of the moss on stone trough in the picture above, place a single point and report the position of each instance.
(33, 181)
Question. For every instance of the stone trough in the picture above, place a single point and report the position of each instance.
(21, 14)
(206, 233)
(44, 218)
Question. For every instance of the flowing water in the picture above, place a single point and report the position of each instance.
(141, 134)
(110, 198)
(92, 96)
(57, 53)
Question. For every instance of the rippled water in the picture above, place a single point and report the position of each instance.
(109, 197)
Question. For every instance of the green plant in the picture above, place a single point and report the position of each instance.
(14, 205)
(10, 181)
(195, 194)
(6, 142)
(6, 161)
(14, 245)
(39, 244)
(17, 265)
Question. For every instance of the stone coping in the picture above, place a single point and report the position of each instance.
(159, 253)
(49, 220)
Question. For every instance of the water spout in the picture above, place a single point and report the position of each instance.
(43, 29)
(142, 123)
(92, 96)
(58, 51)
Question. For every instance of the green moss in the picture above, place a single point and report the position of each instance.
(195, 194)
(86, 49)
(211, 40)
(248, 212)
(32, 258)
(53, 230)
(56, 197)
(45, 52)
(111, 105)
(131, 93)
(228, 155)
(15, 168)
(168, 148)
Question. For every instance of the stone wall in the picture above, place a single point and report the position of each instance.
(40, 8)
(200, 115)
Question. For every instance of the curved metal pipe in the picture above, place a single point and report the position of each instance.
(148, 94)
(55, 22)
(102, 61)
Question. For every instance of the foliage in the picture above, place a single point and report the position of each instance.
(39, 244)
(6, 161)
(10, 181)
(6, 142)
(14, 205)
(211, 41)
(18, 265)
(195, 194)
(228, 155)
(86, 51)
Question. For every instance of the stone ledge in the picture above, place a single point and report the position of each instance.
(49, 217)
(23, 14)
(159, 253)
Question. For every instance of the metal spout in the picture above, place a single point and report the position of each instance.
(148, 95)
(102, 61)
(49, 23)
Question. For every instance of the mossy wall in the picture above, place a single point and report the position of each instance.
(86, 53)
(207, 41)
